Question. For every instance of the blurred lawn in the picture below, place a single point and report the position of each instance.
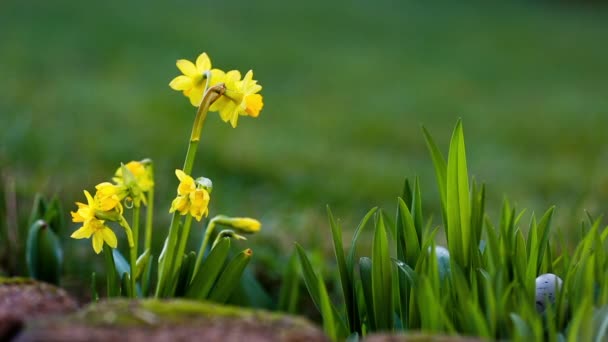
(83, 87)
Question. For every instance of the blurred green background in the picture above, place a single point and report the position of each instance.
(84, 86)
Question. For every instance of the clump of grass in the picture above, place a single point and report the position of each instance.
(486, 286)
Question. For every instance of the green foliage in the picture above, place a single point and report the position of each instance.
(486, 286)
(43, 252)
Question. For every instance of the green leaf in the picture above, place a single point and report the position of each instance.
(142, 263)
(312, 284)
(348, 290)
(38, 209)
(230, 277)
(351, 255)
(407, 236)
(211, 267)
(44, 256)
(382, 278)
(458, 199)
(329, 321)
(365, 271)
(290, 286)
(125, 284)
(416, 210)
(185, 274)
(440, 172)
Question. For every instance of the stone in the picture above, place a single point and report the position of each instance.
(153, 320)
(23, 299)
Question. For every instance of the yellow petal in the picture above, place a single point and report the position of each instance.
(181, 82)
(89, 199)
(97, 242)
(196, 94)
(83, 232)
(109, 237)
(203, 63)
(253, 105)
(217, 76)
(187, 68)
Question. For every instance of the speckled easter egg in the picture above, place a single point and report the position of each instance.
(547, 287)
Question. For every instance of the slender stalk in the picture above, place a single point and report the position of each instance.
(201, 252)
(166, 265)
(135, 227)
(149, 213)
(110, 271)
(148, 238)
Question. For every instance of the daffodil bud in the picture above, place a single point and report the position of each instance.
(242, 224)
(204, 183)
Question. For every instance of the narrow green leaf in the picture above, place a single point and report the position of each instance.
(185, 274)
(348, 291)
(458, 199)
(312, 284)
(329, 321)
(407, 236)
(381, 278)
(125, 285)
(112, 285)
(351, 255)
(290, 286)
(230, 277)
(142, 263)
(440, 172)
(416, 210)
(211, 267)
(365, 271)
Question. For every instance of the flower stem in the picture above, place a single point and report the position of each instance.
(166, 264)
(201, 252)
(148, 238)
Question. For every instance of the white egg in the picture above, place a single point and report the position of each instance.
(443, 261)
(547, 287)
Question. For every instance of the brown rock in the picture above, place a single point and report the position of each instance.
(24, 299)
(175, 320)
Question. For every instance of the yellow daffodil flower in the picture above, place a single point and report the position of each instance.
(241, 97)
(190, 198)
(193, 81)
(100, 232)
(136, 182)
(199, 203)
(140, 171)
(85, 212)
(108, 196)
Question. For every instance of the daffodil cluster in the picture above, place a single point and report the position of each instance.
(131, 182)
(192, 196)
(240, 97)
